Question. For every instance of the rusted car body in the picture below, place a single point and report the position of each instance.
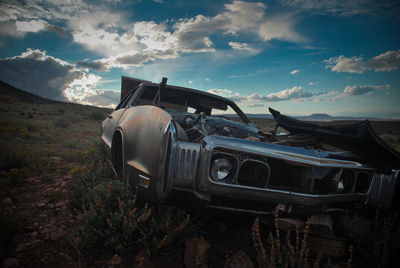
(166, 139)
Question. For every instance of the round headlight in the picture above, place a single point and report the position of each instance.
(220, 169)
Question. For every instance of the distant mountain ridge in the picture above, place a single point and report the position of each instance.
(9, 93)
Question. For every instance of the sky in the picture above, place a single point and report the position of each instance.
(299, 57)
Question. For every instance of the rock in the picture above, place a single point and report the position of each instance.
(51, 205)
(10, 263)
(55, 236)
(20, 247)
(36, 242)
(6, 201)
(34, 234)
(68, 177)
(41, 205)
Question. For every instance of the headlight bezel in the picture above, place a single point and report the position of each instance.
(222, 162)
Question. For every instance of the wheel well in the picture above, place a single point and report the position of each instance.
(117, 157)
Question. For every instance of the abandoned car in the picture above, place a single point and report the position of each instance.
(165, 139)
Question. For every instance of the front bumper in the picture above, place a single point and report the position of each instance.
(190, 171)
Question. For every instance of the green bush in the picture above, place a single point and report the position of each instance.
(16, 177)
(14, 159)
(111, 216)
(61, 123)
(96, 115)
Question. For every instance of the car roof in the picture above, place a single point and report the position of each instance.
(190, 90)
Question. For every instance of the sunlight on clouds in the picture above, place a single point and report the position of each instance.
(30, 26)
(296, 93)
(154, 35)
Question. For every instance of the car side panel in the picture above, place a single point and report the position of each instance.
(108, 126)
(144, 129)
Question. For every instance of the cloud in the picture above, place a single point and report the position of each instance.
(385, 62)
(97, 65)
(53, 78)
(312, 83)
(344, 7)
(360, 90)
(295, 93)
(221, 92)
(35, 26)
(295, 71)
(242, 17)
(243, 47)
(292, 93)
(102, 27)
(254, 105)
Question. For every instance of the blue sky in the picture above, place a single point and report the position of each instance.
(299, 57)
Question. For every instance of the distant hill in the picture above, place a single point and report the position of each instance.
(9, 93)
(314, 117)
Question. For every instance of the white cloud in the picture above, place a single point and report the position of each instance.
(385, 62)
(313, 83)
(295, 93)
(207, 79)
(243, 47)
(102, 27)
(295, 71)
(254, 105)
(345, 7)
(349, 65)
(243, 17)
(222, 92)
(360, 90)
(30, 26)
(292, 93)
(50, 77)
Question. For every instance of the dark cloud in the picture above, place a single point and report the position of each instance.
(94, 65)
(35, 72)
(49, 77)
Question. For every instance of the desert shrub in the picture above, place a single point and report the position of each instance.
(45, 165)
(9, 227)
(54, 196)
(73, 143)
(376, 242)
(16, 177)
(13, 159)
(73, 119)
(61, 123)
(112, 217)
(96, 115)
(290, 251)
(47, 178)
(31, 126)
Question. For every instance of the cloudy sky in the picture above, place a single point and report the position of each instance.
(300, 57)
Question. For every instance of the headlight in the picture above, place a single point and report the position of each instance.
(220, 169)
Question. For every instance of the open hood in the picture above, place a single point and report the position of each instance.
(359, 138)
